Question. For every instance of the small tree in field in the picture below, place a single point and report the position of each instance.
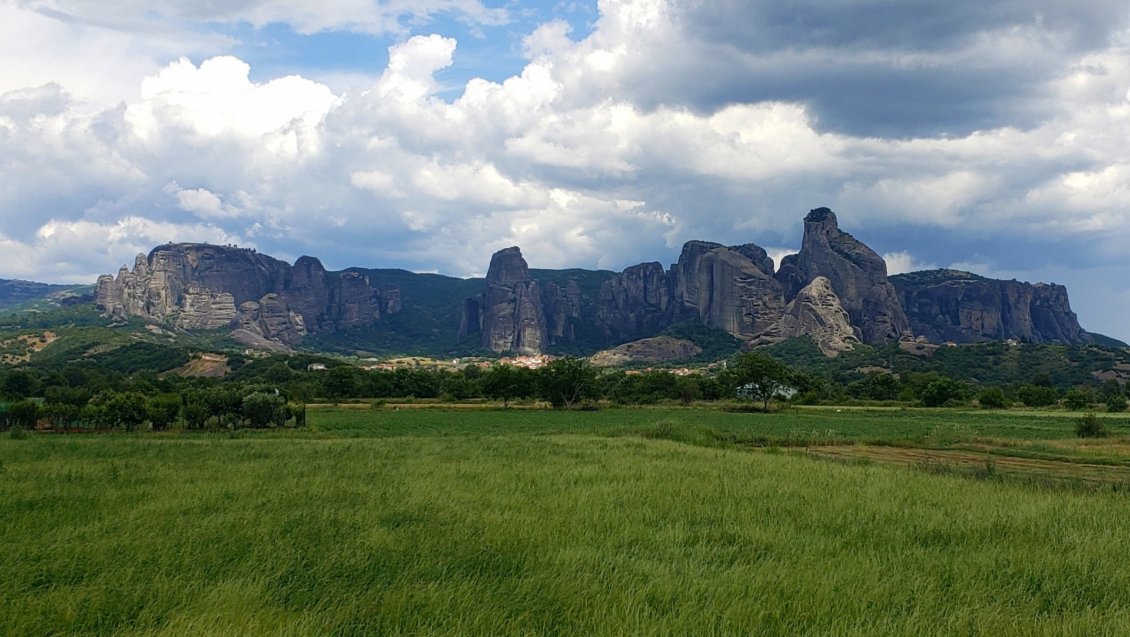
(262, 409)
(567, 381)
(761, 377)
(506, 382)
(992, 398)
(163, 410)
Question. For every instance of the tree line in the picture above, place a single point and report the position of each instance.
(272, 392)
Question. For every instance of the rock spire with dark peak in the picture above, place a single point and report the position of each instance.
(512, 316)
(858, 276)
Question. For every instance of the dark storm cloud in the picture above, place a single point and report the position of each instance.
(888, 69)
(762, 26)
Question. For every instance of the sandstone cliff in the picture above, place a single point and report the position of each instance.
(815, 312)
(857, 274)
(262, 299)
(949, 305)
(835, 289)
(511, 309)
(728, 288)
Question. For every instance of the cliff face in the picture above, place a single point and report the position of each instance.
(835, 290)
(511, 311)
(816, 312)
(949, 305)
(728, 288)
(857, 274)
(262, 299)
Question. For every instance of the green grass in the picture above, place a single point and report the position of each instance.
(793, 426)
(526, 522)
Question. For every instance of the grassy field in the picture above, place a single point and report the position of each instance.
(616, 522)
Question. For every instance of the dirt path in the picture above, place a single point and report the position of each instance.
(973, 461)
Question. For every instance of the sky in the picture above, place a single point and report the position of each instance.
(985, 135)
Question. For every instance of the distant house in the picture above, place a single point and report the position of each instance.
(316, 367)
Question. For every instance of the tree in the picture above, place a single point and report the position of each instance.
(1037, 395)
(877, 386)
(22, 415)
(506, 382)
(341, 382)
(758, 376)
(1115, 403)
(262, 409)
(163, 410)
(566, 381)
(942, 391)
(125, 410)
(992, 398)
(688, 388)
(195, 413)
(1077, 399)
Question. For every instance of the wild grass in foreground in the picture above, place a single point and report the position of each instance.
(471, 529)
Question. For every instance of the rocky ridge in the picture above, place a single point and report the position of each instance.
(835, 290)
(266, 302)
(950, 305)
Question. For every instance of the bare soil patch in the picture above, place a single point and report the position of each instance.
(964, 460)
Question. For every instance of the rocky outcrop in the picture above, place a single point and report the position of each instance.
(857, 274)
(562, 306)
(635, 302)
(201, 286)
(835, 289)
(272, 319)
(950, 305)
(513, 319)
(658, 349)
(815, 312)
(203, 309)
(728, 288)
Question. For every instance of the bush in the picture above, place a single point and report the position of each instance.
(992, 398)
(943, 391)
(1077, 399)
(262, 409)
(1090, 426)
(1115, 403)
(1037, 395)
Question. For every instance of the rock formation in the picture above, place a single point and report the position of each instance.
(858, 276)
(815, 312)
(201, 286)
(656, 349)
(835, 290)
(728, 288)
(950, 305)
(635, 302)
(512, 316)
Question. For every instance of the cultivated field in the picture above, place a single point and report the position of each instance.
(649, 521)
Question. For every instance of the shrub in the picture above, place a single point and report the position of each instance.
(1090, 426)
(1037, 395)
(1076, 399)
(992, 398)
(942, 391)
(1115, 403)
(262, 409)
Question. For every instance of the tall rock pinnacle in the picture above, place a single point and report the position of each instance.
(512, 314)
(858, 276)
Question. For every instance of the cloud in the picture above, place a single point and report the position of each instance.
(902, 262)
(367, 16)
(991, 136)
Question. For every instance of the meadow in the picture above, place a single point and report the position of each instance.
(519, 522)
